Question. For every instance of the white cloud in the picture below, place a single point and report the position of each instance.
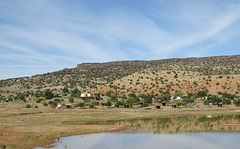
(47, 32)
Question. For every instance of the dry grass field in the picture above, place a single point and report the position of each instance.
(22, 127)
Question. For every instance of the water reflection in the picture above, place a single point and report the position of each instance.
(208, 132)
(151, 141)
(186, 124)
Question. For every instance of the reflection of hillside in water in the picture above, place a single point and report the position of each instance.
(220, 123)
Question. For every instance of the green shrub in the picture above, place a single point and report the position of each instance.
(57, 100)
(95, 103)
(226, 101)
(81, 104)
(39, 100)
(108, 93)
(114, 98)
(53, 104)
(145, 105)
(236, 102)
(28, 106)
(119, 103)
(91, 106)
(50, 102)
(71, 100)
(109, 103)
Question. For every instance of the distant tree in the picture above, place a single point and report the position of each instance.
(2, 98)
(65, 90)
(108, 93)
(45, 104)
(152, 93)
(20, 96)
(178, 103)
(236, 102)
(176, 75)
(75, 93)
(38, 94)
(165, 97)
(226, 101)
(71, 99)
(108, 103)
(28, 106)
(95, 103)
(119, 103)
(190, 94)
(144, 96)
(228, 96)
(145, 105)
(214, 99)
(178, 93)
(114, 98)
(148, 100)
(27, 94)
(10, 97)
(92, 106)
(132, 100)
(57, 100)
(53, 104)
(81, 104)
(132, 95)
(220, 77)
(48, 94)
(39, 99)
(202, 94)
(195, 83)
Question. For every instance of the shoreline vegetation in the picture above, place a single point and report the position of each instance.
(23, 127)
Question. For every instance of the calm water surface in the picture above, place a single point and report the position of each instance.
(198, 132)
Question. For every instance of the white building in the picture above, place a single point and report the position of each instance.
(84, 95)
(177, 98)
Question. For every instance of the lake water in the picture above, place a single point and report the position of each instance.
(198, 132)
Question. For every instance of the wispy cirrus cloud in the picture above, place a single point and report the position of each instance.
(58, 34)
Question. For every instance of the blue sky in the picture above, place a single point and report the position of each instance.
(40, 36)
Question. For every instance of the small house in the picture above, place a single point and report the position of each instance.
(178, 99)
(219, 104)
(85, 95)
